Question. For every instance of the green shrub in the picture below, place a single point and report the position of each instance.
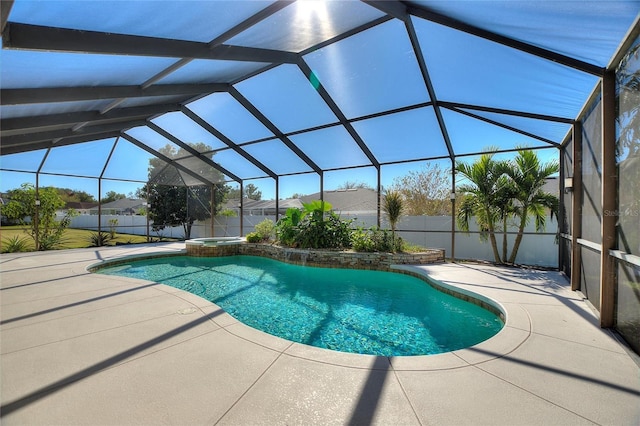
(314, 227)
(15, 244)
(99, 239)
(376, 240)
(253, 237)
(42, 205)
(361, 240)
(113, 223)
(393, 206)
(329, 232)
(228, 213)
(411, 248)
(265, 230)
(53, 241)
(286, 228)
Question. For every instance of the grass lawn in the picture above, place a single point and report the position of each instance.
(72, 238)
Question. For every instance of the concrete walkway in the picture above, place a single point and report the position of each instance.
(86, 349)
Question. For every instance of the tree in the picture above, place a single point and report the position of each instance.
(483, 196)
(172, 202)
(505, 207)
(425, 192)
(74, 195)
(501, 190)
(44, 227)
(354, 185)
(393, 207)
(112, 196)
(527, 178)
(250, 191)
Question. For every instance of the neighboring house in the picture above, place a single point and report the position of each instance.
(262, 207)
(80, 208)
(126, 206)
(348, 201)
(343, 201)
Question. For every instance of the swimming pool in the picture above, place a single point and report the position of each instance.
(359, 311)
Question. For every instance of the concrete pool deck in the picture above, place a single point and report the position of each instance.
(81, 348)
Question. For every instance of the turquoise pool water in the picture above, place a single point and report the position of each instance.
(359, 311)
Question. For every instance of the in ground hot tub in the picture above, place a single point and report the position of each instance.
(214, 246)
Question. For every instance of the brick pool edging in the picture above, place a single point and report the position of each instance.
(323, 258)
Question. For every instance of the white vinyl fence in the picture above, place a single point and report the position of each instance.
(538, 249)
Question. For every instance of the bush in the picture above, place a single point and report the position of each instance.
(315, 227)
(318, 227)
(411, 248)
(361, 240)
(253, 237)
(265, 230)
(113, 224)
(15, 244)
(99, 239)
(376, 240)
(42, 205)
(52, 241)
(317, 232)
(228, 213)
(286, 228)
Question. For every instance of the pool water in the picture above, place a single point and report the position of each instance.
(359, 311)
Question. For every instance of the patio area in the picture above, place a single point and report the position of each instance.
(81, 348)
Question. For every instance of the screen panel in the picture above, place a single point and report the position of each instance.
(230, 118)
(592, 174)
(402, 136)
(371, 72)
(332, 147)
(304, 24)
(287, 98)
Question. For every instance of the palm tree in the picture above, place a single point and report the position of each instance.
(528, 177)
(485, 198)
(393, 206)
(506, 207)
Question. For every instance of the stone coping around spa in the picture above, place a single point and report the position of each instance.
(215, 241)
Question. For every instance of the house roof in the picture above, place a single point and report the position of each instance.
(80, 205)
(125, 203)
(250, 204)
(348, 200)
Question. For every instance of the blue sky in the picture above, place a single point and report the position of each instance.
(366, 74)
(301, 184)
